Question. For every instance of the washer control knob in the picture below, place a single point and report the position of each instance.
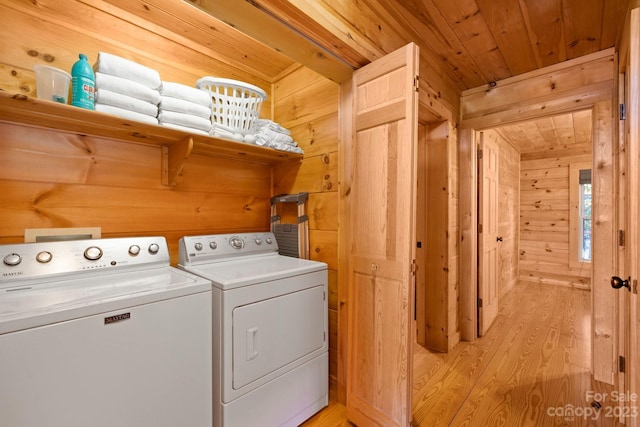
(213, 245)
(198, 246)
(93, 253)
(44, 257)
(12, 259)
(269, 241)
(154, 248)
(258, 242)
(236, 243)
(134, 250)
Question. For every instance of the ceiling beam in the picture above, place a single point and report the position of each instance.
(279, 34)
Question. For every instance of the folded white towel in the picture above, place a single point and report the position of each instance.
(275, 136)
(169, 103)
(188, 93)
(121, 67)
(220, 132)
(276, 127)
(106, 97)
(126, 114)
(184, 120)
(127, 87)
(265, 142)
(184, 128)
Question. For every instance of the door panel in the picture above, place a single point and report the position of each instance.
(381, 242)
(488, 239)
(267, 335)
(632, 262)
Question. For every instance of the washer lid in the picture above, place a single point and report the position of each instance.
(254, 269)
(29, 305)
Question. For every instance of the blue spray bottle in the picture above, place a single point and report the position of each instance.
(83, 84)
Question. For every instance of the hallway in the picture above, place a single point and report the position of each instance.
(533, 361)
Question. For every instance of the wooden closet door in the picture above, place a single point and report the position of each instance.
(382, 240)
(489, 237)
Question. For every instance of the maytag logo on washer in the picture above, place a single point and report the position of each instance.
(116, 318)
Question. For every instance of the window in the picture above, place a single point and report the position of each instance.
(580, 214)
(584, 212)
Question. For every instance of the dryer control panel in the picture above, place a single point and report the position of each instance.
(193, 249)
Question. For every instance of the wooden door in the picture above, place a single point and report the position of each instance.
(632, 244)
(382, 240)
(488, 235)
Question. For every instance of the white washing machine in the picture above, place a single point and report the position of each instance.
(102, 333)
(270, 329)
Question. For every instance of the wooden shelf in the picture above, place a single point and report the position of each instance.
(177, 145)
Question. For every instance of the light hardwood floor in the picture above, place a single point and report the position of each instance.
(534, 359)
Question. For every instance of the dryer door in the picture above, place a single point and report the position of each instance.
(273, 333)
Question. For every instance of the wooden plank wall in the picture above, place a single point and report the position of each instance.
(453, 233)
(509, 212)
(54, 179)
(544, 221)
(306, 103)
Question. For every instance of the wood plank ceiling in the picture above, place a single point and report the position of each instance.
(477, 41)
(483, 41)
(566, 134)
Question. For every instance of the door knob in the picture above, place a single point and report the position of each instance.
(617, 283)
(499, 239)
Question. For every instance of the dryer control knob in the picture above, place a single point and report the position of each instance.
(198, 246)
(258, 242)
(44, 257)
(12, 259)
(236, 243)
(134, 250)
(93, 253)
(154, 248)
(213, 245)
(269, 241)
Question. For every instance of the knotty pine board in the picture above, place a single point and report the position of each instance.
(310, 102)
(318, 135)
(125, 209)
(436, 216)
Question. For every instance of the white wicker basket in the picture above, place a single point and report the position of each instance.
(235, 105)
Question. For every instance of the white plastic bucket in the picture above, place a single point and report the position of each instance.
(52, 83)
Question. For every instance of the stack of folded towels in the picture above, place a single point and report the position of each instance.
(185, 108)
(272, 134)
(126, 89)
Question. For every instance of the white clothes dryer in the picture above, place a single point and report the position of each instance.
(270, 329)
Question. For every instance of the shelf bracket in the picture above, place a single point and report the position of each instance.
(174, 157)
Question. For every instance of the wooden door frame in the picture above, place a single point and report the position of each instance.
(583, 83)
(629, 319)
